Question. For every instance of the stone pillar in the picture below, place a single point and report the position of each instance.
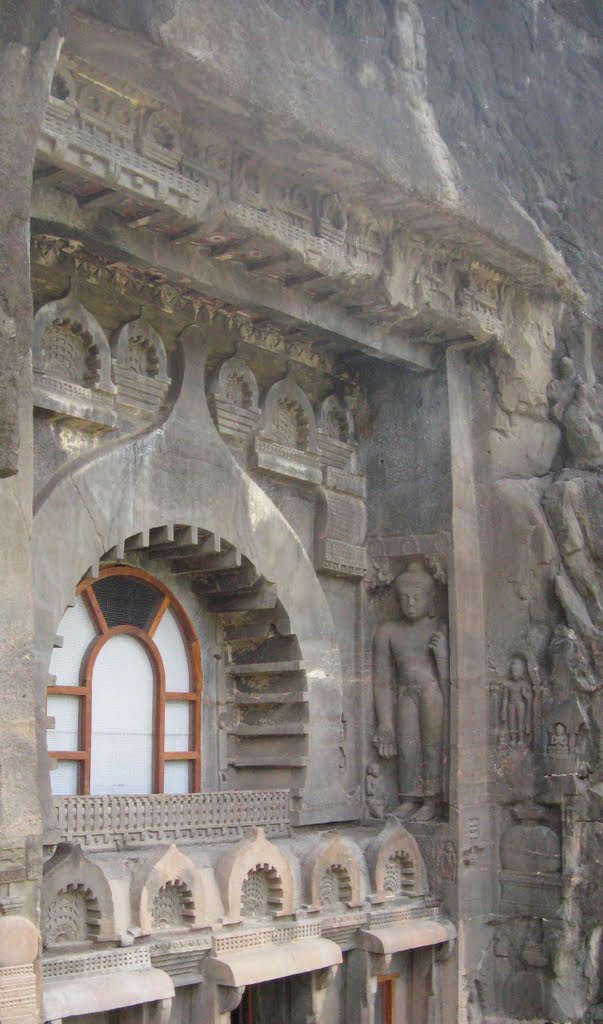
(215, 1003)
(309, 991)
(29, 47)
(470, 809)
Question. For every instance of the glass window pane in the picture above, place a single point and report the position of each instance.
(177, 725)
(63, 780)
(77, 629)
(66, 714)
(172, 648)
(121, 759)
(176, 776)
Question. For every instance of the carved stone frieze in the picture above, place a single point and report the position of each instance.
(131, 147)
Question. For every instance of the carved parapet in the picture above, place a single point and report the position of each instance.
(105, 822)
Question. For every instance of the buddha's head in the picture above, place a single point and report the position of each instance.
(416, 591)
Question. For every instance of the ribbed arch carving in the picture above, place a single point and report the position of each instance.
(68, 343)
(253, 875)
(77, 902)
(396, 865)
(332, 874)
(138, 347)
(288, 417)
(167, 892)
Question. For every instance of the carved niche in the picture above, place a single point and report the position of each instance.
(166, 892)
(333, 220)
(411, 676)
(173, 906)
(139, 369)
(255, 878)
(332, 875)
(77, 904)
(286, 443)
(396, 866)
(62, 101)
(341, 517)
(233, 401)
(72, 365)
(161, 137)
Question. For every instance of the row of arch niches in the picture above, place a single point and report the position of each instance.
(290, 438)
(250, 883)
(79, 375)
(125, 677)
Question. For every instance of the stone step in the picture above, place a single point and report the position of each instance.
(270, 697)
(272, 729)
(260, 668)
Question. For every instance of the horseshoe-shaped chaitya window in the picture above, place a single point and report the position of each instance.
(126, 693)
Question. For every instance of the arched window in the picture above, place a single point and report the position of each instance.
(126, 696)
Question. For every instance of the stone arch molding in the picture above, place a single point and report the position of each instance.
(168, 873)
(183, 472)
(69, 310)
(398, 848)
(342, 859)
(143, 330)
(288, 393)
(253, 853)
(69, 875)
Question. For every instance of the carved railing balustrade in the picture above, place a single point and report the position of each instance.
(110, 822)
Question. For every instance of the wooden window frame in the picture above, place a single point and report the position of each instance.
(161, 695)
(387, 984)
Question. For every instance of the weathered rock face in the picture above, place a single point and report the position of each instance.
(317, 357)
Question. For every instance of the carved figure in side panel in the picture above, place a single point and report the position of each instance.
(516, 709)
(411, 679)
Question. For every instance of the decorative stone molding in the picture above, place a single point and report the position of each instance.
(332, 875)
(233, 400)
(259, 938)
(104, 961)
(396, 865)
(286, 443)
(139, 368)
(255, 854)
(107, 822)
(341, 526)
(167, 892)
(19, 941)
(77, 903)
(72, 364)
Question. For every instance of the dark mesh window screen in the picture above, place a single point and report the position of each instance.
(126, 600)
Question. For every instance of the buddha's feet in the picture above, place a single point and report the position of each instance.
(405, 809)
(427, 812)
